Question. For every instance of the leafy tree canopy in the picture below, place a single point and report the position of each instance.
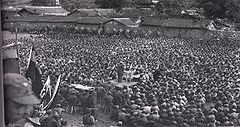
(110, 3)
(220, 8)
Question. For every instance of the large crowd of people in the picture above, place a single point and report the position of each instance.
(183, 82)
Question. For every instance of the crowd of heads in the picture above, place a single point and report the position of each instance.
(183, 82)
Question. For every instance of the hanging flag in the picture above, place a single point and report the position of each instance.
(54, 93)
(12, 45)
(34, 74)
(10, 61)
(46, 89)
(46, 93)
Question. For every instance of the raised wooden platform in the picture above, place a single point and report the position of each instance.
(123, 83)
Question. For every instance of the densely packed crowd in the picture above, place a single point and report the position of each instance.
(183, 82)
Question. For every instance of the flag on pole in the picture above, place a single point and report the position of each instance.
(46, 93)
(54, 93)
(46, 89)
(10, 61)
(34, 74)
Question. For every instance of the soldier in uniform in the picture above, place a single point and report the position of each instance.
(19, 99)
(100, 94)
(120, 70)
(108, 103)
(88, 119)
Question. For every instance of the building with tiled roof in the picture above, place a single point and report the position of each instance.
(96, 12)
(179, 27)
(90, 23)
(43, 10)
(186, 23)
(84, 13)
(105, 12)
(152, 22)
(124, 21)
(41, 21)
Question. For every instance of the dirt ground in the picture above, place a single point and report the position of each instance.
(76, 121)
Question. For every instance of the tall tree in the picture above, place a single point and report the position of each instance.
(169, 7)
(110, 3)
(220, 8)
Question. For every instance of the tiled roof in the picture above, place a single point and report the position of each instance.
(85, 12)
(47, 9)
(171, 22)
(148, 21)
(93, 12)
(28, 10)
(176, 22)
(185, 23)
(10, 8)
(125, 21)
(44, 19)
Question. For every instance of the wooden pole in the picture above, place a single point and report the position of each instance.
(16, 42)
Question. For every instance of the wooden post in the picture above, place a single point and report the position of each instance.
(16, 42)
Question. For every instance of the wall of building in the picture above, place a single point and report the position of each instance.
(7, 25)
(113, 25)
(144, 30)
(87, 26)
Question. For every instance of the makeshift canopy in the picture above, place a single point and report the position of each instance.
(82, 87)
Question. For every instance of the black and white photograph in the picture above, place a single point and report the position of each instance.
(121, 63)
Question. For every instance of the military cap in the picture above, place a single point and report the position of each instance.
(18, 89)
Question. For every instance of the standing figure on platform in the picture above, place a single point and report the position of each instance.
(120, 71)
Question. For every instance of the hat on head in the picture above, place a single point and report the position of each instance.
(233, 110)
(231, 123)
(142, 115)
(116, 106)
(234, 105)
(18, 89)
(226, 123)
(123, 109)
(119, 123)
(135, 113)
(58, 105)
(225, 118)
(35, 120)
